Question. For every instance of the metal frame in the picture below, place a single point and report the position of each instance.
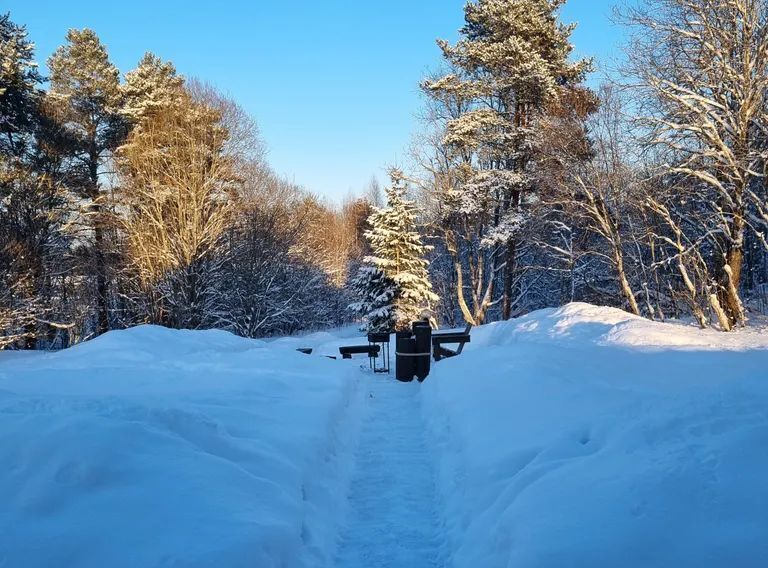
(381, 339)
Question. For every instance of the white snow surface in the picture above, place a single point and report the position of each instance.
(584, 436)
(579, 436)
(394, 518)
(152, 447)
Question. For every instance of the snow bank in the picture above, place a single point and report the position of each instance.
(579, 436)
(153, 447)
(585, 436)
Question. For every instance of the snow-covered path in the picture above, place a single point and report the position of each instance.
(393, 518)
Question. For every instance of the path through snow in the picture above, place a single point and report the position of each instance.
(393, 519)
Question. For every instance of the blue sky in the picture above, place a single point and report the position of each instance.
(333, 83)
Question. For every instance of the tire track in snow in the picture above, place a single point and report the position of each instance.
(393, 517)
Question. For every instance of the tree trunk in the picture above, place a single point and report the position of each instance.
(626, 289)
(509, 279)
(731, 275)
(102, 307)
(511, 261)
(450, 242)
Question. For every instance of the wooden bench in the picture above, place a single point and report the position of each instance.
(450, 338)
(370, 350)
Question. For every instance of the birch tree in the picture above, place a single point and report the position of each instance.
(703, 68)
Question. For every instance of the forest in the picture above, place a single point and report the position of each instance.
(148, 197)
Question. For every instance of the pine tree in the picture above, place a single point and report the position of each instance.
(153, 85)
(176, 184)
(19, 98)
(509, 66)
(19, 83)
(32, 206)
(85, 92)
(394, 285)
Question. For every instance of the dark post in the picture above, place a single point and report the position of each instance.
(405, 346)
(423, 332)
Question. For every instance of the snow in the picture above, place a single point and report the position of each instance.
(584, 436)
(394, 519)
(152, 447)
(579, 436)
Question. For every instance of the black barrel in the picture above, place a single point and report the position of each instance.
(404, 361)
(423, 340)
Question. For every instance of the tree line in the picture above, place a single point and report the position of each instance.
(146, 198)
(648, 193)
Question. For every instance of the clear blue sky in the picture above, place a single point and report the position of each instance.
(333, 83)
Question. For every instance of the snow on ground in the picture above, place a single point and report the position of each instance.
(581, 436)
(152, 447)
(584, 436)
(394, 519)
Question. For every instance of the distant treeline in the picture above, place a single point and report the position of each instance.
(147, 197)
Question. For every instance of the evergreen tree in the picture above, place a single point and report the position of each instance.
(32, 207)
(19, 97)
(377, 295)
(394, 285)
(153, 85)
(85, 93)
(509, 66)
(176, 185)
(19, 89)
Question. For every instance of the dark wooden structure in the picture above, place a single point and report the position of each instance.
(349, 350)
(450, 338)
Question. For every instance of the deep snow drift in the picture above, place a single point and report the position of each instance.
(152, 447)
(581, 436)
(584, 436)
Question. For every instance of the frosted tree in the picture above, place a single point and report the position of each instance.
(511, 62)
(150, 87)
(19, 99)
(176, 188)
(19, 83)
(394, 284)
(703, 67)
(376, 293)
(33, 208)
(85, 93)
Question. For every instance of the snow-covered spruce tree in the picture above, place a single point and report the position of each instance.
(394, 284)
(377, 294)
(510, 64)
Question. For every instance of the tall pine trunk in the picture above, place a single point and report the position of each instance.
(102, 302)
(509, 278)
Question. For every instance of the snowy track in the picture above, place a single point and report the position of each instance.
(393, 518)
